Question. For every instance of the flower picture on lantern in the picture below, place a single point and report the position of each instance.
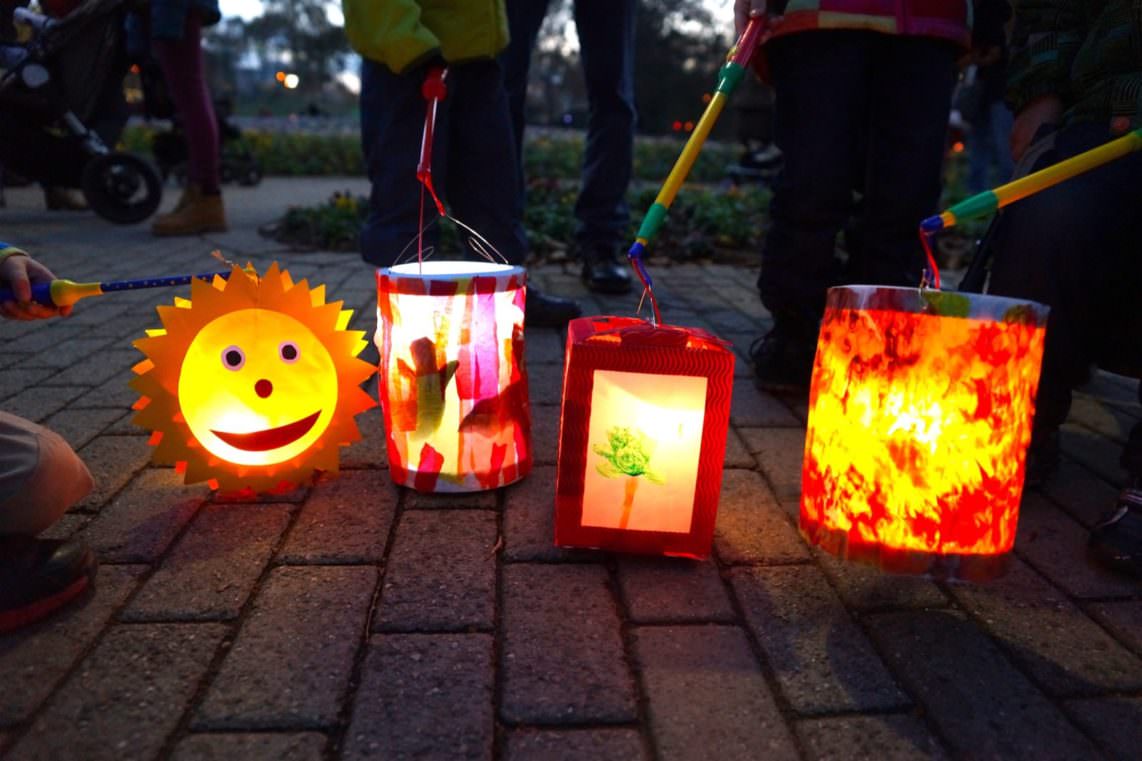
(642, 437)
(253, 383)
(453, 382)
(920, 415)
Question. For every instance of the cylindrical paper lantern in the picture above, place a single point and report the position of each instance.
(452, 379)
(642, 437)
(920, 416)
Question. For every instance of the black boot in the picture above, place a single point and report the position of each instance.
(543, 311)
(1042, 457)
(1116, 542)
(783, 358)
(38, 576)
(604, 271)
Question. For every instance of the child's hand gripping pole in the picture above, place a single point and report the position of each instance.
(990, 201)
(62, 293)
(729, 76)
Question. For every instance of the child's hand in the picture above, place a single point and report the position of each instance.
(744, 10)
(19, 272)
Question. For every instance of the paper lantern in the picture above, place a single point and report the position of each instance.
(920, 416)
(253, 383)
(642, 437)
(453, 382)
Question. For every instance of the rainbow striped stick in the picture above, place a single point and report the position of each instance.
(990, 201)
(62, 293)
(728, 78)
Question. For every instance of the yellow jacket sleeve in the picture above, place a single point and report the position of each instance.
(389, 32)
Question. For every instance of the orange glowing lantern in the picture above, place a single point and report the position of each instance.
(453, 383)
(253, 383)
(920, 416)
(642, 437)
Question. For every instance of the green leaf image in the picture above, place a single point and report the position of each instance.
(627, 453)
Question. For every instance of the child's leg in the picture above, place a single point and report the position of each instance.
(40, 477)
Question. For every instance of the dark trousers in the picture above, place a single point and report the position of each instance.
(606, 42)
(1076, 247)
(855, 112)
(473, 160)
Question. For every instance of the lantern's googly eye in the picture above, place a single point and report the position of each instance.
(233, 358)
(289, 352)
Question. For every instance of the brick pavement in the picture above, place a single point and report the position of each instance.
(351, 619)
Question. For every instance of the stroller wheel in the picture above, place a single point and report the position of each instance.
(122, 188)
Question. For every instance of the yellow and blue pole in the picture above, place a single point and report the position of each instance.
(728, 78)
(62, 293)
(990, 201)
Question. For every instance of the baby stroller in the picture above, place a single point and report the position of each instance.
(61, 107)
(237, 161)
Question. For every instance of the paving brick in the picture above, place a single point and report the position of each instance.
(441, 573)
(291, 663)
(113, 461)
(864, 587)
(481, 500)
(127, 696)
(706, 695)
(60, 350)
(139, 524)
(673, 590)
(210, 573)
(1080, 493)
(869, 738)
(545, 384)
(1093, 451)
(737, 456)
(370, 451)
(555, 671)
(779, 452)
(114, 392)
(424, 696)
(13, 380)
(67, 526)
(289, 494)
(1104, 419)
(1123, 619)
(1114, 723)
(822, 660)
(544, 347)
(730, 321)
(574, 745)
(544, 434)
(299, 746)
(753, 408)
(37, 403)
(78, 427)
(34, 659)
(529, 520)
(980, 703)
(1055, 641)
(97, 368)
(1057, 546)
(346, 519)
(751, 526)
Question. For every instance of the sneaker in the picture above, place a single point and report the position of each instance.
(63, 199)
(1116, 542)
(39, 576)
(603, 272)
(783, 360)
(543, 311)
(194, 214)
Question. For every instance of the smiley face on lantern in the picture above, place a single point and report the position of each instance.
(252, 383)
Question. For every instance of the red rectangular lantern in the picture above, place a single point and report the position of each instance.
(642, 437)
(920, 415)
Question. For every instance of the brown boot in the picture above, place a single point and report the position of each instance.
(63, 199)
(195, 213)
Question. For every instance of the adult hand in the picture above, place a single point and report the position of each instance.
(744, 10)
(19, 272)
(1046, 109)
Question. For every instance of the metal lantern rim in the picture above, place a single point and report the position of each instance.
(451, 270)
(974, 306)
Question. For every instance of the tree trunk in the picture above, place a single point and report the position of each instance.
(628, 500)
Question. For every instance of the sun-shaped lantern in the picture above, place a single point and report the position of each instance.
(253, 383)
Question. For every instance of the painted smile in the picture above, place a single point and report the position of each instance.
(270, 438)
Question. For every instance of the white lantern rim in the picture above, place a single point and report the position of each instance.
(451, 270)
(972, 306)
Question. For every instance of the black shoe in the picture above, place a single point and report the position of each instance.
(1116, 542)
(1042, 458)
(543, 311)
(783, 359)
(38, 576)
(605, 272)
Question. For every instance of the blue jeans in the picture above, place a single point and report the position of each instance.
(473, 160)
(1074, 247)
(988, 144)
(855, 111)
(606, 41)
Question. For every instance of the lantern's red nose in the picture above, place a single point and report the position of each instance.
(263, 388)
